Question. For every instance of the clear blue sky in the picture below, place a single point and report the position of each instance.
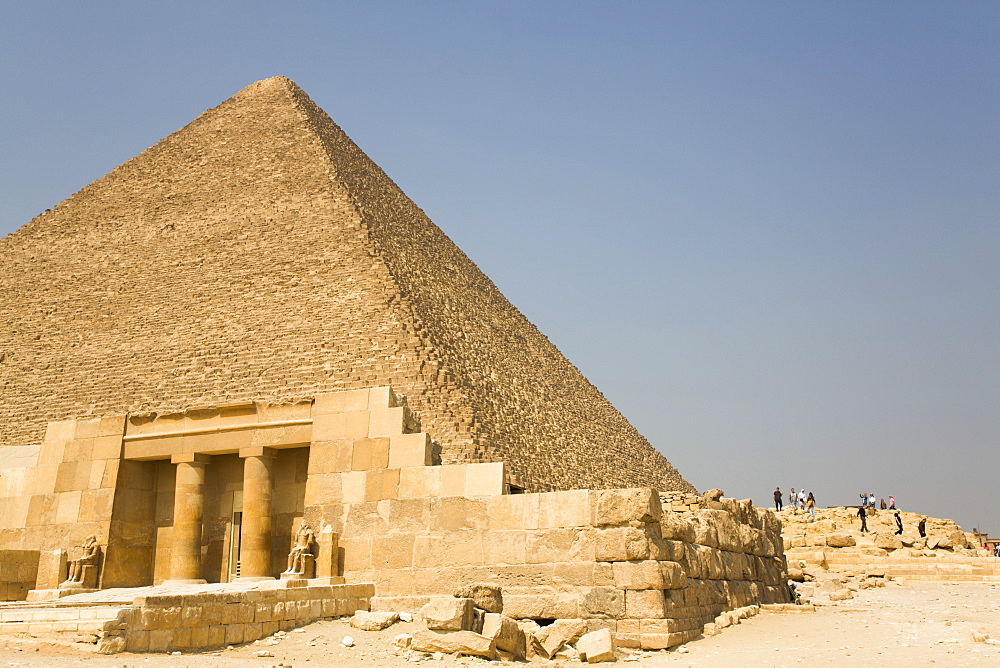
(769, 232)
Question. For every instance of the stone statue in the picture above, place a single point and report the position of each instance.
(77, 570)
(301, 551)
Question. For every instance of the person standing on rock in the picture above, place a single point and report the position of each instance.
(802, 497)
(777, 498)
(863, 514)
(922, 527)
(792, 499)
(811, 506)
(892, 502)
(899, 523)
(871, 500)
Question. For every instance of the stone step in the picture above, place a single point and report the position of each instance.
(55, 621)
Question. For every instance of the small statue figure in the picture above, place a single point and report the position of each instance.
(88, 558)
(301, 549)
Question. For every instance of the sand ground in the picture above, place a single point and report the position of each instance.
(901, 624)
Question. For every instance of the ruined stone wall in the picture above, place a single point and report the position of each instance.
(612, 557)
(258, 254)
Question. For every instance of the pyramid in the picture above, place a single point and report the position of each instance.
(258, 254)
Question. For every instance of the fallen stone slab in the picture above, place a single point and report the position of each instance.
(560, 632)
(507, 635)
(454, 642)
(596, 646)
(373, 621)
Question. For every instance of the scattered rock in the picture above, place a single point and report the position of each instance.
(373, 621)
(402, 641)
(840, 540)
(348, 641)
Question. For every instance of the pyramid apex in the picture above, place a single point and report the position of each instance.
(270, 84)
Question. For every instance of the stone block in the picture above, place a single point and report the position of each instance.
(484, 596)
(560, 632)
(387, 421)
(374, 621)
(564, 509)
(543, 603)
(514, 512)
(453, 479)
(485, 479)
(606, 602)
(506, 634)
(410, 450)
(419, 482)
(447, 613)
(341, 402)
(596, 646)
(354, 485)
(618, 507)
(621, 544)
(638, 575)
(457, 642)
(393, 551)
(506, 547)
(648, 604)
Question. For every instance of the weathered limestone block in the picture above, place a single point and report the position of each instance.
(596, 646)
(373, 621)
(617, 507)
(560, 632)
(447, 613)
(888, 541)
(506, 634)
(673, 575)
(604, 602)
(638, 575)
(645, 604)
(840, 540)
(454, 642)
(484, 596)
(621, 544)
(546, 603)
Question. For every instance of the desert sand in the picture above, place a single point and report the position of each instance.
(901, 624)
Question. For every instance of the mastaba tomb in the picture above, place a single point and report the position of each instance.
(245, 356)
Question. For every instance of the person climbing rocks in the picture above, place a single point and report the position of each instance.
(863, 514)
(811, 506)
(922, 527)
(899, 523)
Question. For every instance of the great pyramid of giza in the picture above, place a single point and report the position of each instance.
(259, 254)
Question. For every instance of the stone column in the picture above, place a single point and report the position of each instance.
(189, 505)
(255, 535)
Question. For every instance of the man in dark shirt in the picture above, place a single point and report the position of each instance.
(863, 514)
(777, 498)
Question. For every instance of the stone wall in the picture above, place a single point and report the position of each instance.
(165, 623)
(258, 254)
(18, 572)
(612, 557)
